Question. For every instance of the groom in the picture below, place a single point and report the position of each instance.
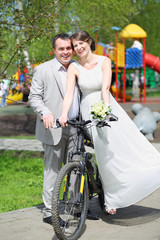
(46, 97)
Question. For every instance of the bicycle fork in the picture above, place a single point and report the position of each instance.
(82, 181)
(82, 166)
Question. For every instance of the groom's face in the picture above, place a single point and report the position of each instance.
(63, 51)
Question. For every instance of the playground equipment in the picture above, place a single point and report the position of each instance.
(102, 50)
(152, 62)
(120, 93)
(131, 58)
(134, 57)
(19, 77)
(14, 98)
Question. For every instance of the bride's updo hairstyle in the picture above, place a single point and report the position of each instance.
(85, 37)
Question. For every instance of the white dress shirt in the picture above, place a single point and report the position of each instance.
(74, 109)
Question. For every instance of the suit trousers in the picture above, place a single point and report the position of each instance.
(54, 156)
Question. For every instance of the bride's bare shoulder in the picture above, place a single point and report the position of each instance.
(107, 60)
(72, 69)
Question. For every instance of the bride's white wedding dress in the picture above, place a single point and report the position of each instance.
(129, 165)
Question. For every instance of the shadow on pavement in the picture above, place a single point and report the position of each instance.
(133, 215)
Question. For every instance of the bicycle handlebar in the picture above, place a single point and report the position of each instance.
(80, 123)
(96, 122)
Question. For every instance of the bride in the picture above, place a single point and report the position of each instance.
(129, 165)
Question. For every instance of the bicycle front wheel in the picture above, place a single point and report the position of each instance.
(69, 202)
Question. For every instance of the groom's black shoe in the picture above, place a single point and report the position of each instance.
(49, 221)
(92, 216)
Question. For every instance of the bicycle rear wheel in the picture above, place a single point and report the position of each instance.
(101, 193)
(69, 207)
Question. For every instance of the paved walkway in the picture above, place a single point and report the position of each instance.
(138, 222)
(33, 145)
(21, 144)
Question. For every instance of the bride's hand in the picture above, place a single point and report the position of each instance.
(107, 104)
(63, 121)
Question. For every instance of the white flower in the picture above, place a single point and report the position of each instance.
(100, 110)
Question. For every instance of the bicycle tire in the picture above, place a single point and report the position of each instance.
(65, 206)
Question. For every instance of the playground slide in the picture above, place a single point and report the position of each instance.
(13, 98)
(152, 62)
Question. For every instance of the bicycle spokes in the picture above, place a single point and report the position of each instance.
(70, 200)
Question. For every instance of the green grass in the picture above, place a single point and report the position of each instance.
(21, 179)
(153, 94)
(149, 93)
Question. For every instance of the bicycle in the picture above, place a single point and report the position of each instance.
(75, 184)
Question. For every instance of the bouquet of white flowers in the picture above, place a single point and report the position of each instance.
(100, 110)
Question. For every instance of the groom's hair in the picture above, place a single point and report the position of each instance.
(63, 36)
(85, 37)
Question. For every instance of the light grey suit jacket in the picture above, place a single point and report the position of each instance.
(46, 96)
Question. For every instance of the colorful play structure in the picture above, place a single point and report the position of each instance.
(131, 58)
(11, 99)
(19, 78)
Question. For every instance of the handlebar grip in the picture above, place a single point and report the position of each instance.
(113, 117)
(56, 123)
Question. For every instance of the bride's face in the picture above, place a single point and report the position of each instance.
(80, 47)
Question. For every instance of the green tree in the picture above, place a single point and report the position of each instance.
(33, 27)
(148, 18)
(101, 15)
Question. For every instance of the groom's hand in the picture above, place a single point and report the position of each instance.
(48, 120)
